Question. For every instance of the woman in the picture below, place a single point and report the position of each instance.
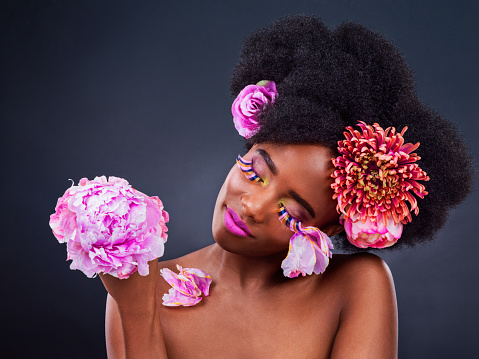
(312, 84)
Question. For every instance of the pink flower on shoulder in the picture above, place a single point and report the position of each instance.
(187, 286)
(110, 227)
(249, 104)
(308, 252)
(369, 234)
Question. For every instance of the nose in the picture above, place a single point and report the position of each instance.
(258, 205)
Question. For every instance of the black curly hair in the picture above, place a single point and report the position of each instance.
(329, 79)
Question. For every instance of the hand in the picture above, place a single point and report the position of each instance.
(136, 292)
(135, 299)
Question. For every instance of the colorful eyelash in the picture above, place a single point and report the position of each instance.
(247, 168)
(312, 232)
(290, 222)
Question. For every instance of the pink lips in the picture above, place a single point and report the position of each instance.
(234, 224)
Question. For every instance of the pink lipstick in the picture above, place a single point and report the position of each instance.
(234, 224)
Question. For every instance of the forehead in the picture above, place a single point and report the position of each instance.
(315, 160)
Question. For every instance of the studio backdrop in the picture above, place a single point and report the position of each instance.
(140, 90)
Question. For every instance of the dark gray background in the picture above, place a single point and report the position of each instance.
(139, 89)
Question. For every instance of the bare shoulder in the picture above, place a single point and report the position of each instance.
(194, 259)
(361, 260)
(368, 320)
(361, 270)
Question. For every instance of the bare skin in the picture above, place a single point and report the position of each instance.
(253, 311)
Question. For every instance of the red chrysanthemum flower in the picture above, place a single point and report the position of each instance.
(376, 174)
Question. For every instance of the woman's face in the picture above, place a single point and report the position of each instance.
(245, 220)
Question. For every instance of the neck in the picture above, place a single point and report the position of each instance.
(247, 273)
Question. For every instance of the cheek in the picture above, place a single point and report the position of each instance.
(274, 236)
(235, 182)
(281, 237)
(326, 213)
(230, 186)
(231, 178)
(331, 214)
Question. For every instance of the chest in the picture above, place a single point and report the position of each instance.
(279, 325)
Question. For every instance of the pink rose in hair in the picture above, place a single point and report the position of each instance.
(248, 105)
(372, 234)
(110, 227)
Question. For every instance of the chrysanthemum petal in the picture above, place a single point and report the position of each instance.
(376, 175)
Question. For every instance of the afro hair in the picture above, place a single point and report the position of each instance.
(330, 79)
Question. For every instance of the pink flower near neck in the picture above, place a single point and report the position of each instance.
(187, 286)
(369, 234)
(249, 104)
(309, 252)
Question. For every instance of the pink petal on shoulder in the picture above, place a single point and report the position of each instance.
(200, 278)
(187, 286)
(172, 278)
(174, 299)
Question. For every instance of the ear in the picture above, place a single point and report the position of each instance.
(333, 229)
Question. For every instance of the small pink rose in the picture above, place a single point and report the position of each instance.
(248, 105)
(110, 227)
(370, 234)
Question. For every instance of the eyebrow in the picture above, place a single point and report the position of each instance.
(274, 171)
(303, 203)
(268, 160)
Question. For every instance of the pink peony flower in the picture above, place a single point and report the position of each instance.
(110, 227)
(364, 234)
(187, 286)
(309, 251)
(248, 105)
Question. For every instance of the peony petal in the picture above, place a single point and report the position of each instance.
(174, 299)
(180, 283)
(187, 286)
(372, 234)
(322, 262)
(395, 230)
(201, 279)
(301, 257)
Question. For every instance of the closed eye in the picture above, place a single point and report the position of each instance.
(287, 219)
(247, 168)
